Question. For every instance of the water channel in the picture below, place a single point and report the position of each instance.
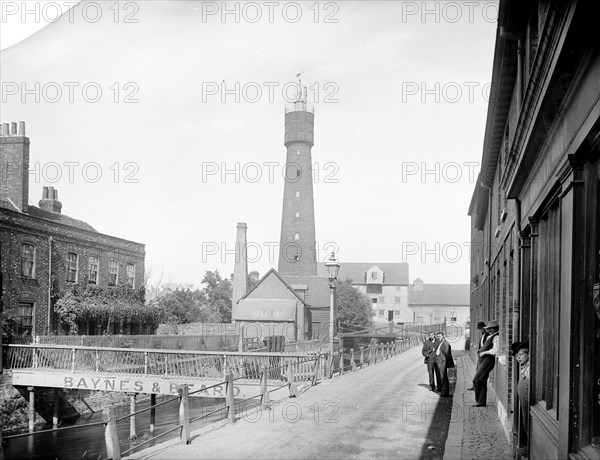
(87, 443)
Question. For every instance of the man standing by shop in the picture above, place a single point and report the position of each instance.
(487, 360)
(430, 347)
(483, 336)
(443, 362)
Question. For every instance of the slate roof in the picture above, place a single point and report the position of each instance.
(317, 292)
(34, 211)
(395, 273)
(440, 294)
(273, 272)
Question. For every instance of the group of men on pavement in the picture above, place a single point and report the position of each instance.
(438, 357)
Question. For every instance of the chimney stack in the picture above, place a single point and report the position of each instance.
(240, 271)
(49, 201)
(14, 166)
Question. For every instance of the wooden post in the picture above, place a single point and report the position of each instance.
(31, 408)
(370, 348)
(132, 434)
(55, 408)
(290, 378)
(97, 360)
(328, 366)
(316, 369)
(152, 414)
(362, 357)
(146, 364)
(264, 393)
(113, 450)
(229, 401)
(352, 364)
(184, 414)
(341, 361)
(73, 360)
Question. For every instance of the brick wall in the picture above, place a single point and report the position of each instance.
(18, 228)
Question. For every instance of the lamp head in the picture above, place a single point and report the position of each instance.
(333, 267)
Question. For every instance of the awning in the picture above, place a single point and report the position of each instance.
(265, 310)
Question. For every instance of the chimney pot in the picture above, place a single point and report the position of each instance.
(13, 128)
(5, 131)
(45, 193)
(21, 128)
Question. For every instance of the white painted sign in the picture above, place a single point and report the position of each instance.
(134, 384)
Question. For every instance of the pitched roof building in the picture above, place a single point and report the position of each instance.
(42, 250)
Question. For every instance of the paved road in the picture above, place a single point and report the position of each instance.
(383, 411)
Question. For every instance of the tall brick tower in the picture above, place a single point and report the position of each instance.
(14, 167)
(297, 245)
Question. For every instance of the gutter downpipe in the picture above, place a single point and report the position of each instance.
(489, 265)
(49, 284)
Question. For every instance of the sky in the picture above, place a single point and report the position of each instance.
(162, 123)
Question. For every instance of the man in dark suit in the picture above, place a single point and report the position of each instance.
(483, 337)
(443, 362)
(429, 348)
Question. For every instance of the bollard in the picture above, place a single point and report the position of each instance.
(264, 393)
(184, 414)
(352, 364)
(152, 414)
(113, 450)
(229, 402)
(290, 378)
(362, 357)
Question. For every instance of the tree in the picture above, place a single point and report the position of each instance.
(217, 294)
(353, 306)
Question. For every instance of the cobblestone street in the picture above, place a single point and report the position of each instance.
(475, 432)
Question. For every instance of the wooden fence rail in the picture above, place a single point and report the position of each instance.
(308, 367)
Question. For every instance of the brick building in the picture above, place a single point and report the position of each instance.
(42, 250)
(436, 303)
(535, 215)
(386, 284)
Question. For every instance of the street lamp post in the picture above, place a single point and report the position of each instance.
(333, 268)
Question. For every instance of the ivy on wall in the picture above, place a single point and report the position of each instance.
(109, 308)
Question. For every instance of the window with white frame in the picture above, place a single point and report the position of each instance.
(381, 313)
(381, 299)
(72, 265)
(397, 299)
(93, 265)
(28, 260)
(113, 272)
(131, 275)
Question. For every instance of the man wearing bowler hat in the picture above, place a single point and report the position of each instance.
(481, 329)
(487, 360)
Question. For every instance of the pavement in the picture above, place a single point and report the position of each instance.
(383, 411)
(474, 432)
